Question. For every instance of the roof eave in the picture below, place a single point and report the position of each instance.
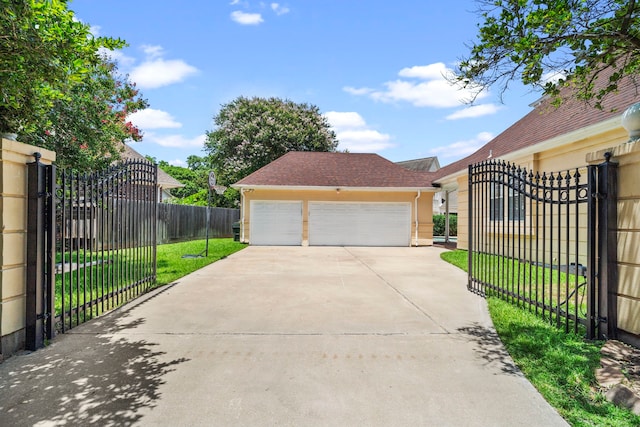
(558, 141)
(331, 188)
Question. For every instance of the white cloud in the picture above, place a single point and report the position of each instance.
(246, 18)
(123, 60)
(460, 149)
(427, 72)
(357, 91)
(177, 162)
(474, 111)
(278, 9)
(158, 72)
(175, 141)
(553, 77)
(152, 51)
(95, 30)
(355, 135)
(345, 120)
(150, 118)
(423, 86)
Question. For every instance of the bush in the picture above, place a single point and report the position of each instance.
(439, 224)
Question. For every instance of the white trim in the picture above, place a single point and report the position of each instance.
(558, 141)
(333, 188)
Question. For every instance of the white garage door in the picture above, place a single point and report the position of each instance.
(276, 223)
(359, 224)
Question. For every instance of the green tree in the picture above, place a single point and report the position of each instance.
(88, 127)
(577, 41)
(195, 178)
(252, 132)
(44, 51)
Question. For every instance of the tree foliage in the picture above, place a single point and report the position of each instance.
(252, 132)
(88, 126)
(56, 88)
(575, 41)
(195, 178)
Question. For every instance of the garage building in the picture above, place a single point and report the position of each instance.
(336, 199)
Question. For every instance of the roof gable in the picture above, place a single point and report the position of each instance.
(339, 170)
(427, 164)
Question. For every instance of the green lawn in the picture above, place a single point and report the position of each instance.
(560, 365)
(534, 285)
(172, 266)
(108, 273)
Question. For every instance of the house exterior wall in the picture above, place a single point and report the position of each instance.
(577, 154)
(14, 157)
(425, 203)
(463, 212)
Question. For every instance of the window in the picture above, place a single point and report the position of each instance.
(515, 203)
(496, 202)
(516, 206)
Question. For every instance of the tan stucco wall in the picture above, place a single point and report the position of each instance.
(425, 207)
(14, 156)
(627, 155)
(463, 212)
(574, 155)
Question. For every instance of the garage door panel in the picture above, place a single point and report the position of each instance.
(276, 223)
(359, 224)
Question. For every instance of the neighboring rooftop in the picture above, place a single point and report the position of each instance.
(165, 180)
(322, 169)
(427, 164)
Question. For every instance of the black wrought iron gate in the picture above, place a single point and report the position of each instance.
(546, 241)
(91, 243)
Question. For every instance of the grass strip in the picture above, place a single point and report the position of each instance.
(560, 365)
(171, 265)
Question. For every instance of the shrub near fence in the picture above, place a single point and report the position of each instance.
(179, 223)
(439, 225)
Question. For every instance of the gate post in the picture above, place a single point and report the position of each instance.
(607, 249)
(40, 275)
(592, 253)
(470, 230)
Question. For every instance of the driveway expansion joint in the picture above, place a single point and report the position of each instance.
(402, 295)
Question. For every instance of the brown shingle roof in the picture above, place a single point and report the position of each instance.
(321, 169)
(546, 122)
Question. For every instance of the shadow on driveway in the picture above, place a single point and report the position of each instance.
(490, 348)
(84, 379)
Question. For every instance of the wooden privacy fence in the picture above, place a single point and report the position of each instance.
(177, 223)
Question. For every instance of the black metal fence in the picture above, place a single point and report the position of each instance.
(106, 239)
(533, 240)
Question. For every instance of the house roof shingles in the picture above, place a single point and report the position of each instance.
(165, 180)
(545, 122)
(339, 170)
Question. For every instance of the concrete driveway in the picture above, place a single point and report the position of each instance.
(284, 336)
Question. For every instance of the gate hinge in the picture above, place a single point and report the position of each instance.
(599, 196)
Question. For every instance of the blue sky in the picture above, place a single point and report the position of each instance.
(374, 68)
